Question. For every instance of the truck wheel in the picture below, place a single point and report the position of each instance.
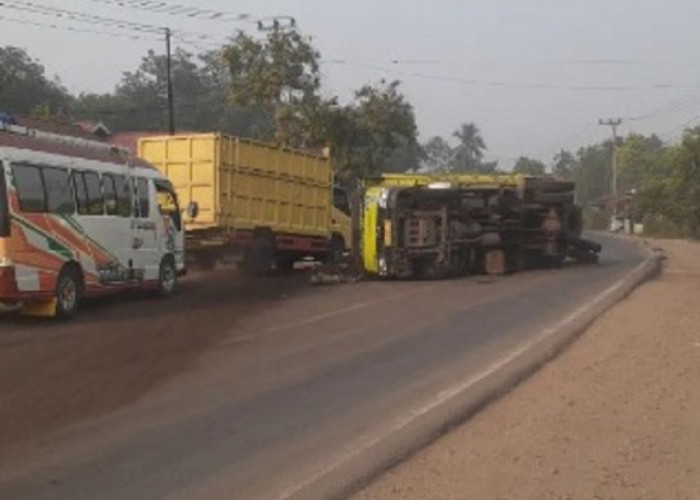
(167, 277)
(285, 264)
(69, 287)
(260, 255)
(336, 249)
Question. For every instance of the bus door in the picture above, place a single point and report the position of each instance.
(146, 251)
(114, 230)
(171, 232)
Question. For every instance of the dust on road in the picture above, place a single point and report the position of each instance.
(616, 416)
(52, 375)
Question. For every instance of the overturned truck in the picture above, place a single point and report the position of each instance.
(438, 226)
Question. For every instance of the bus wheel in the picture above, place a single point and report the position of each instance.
(167, 277)
(68, 291)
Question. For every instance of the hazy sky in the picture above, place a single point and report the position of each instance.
(535, 75)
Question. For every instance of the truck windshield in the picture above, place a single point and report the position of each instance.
(167, 202)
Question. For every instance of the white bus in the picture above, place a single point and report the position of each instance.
(80, 217)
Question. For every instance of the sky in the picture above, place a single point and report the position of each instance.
(534, 75)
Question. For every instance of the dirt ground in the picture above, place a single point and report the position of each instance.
(53, 374)
(617, 416)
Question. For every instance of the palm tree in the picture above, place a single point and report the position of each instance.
(470, 150)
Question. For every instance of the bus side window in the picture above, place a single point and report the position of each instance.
(59, 192)
(143, 204)
(30, 188)
(123, 190)
(95, 204)
(110, 194)
(81, 194)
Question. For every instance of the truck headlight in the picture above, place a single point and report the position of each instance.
(383, 198)
(382, 266)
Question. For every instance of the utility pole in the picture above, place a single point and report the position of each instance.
(276, 23)
(168, 65)
(613, 123)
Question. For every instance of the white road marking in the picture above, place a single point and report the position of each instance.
(444, 396)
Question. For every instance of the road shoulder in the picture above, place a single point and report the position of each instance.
(615, 416)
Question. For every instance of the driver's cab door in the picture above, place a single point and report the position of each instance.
(171, 237)
(341, 220)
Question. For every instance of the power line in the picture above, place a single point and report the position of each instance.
(669, 108)
(82, 17)
(160, 7)
(72, 29)
(576, 136)
(669, 134)
(566, 62)
(516, 85)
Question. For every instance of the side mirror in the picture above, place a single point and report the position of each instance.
(192, 210)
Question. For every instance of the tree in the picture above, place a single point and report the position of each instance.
(470, 150)
(406, 158)
(593, 172)
(637, 158)
(529, 166)
(200, 88)
(672, 189)
(564, 164)
(280, 76)
(438, 154)
(24, 87)
(385, 121)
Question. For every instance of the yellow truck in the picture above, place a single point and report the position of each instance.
(441, 225)
(262, 205)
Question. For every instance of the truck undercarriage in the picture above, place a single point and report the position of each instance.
(447, 230)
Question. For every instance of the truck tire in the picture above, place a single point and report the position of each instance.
(285, 263)
(336, 249)
(69, 288)
(259, 256)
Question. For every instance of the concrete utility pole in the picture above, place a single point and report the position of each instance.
(171, 103)
(613, 123)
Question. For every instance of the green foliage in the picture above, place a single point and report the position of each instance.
(438, 155)
(407, 158)
(278, 75)
(673, 189)
(529, 166)
(638, 158)
(660, 183)
(466, 157)
(593, 173)
(469, 153)
(25, 89)
(564, 165)
(374, 133)
(200, 87)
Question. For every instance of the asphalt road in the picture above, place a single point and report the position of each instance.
(239, 389)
